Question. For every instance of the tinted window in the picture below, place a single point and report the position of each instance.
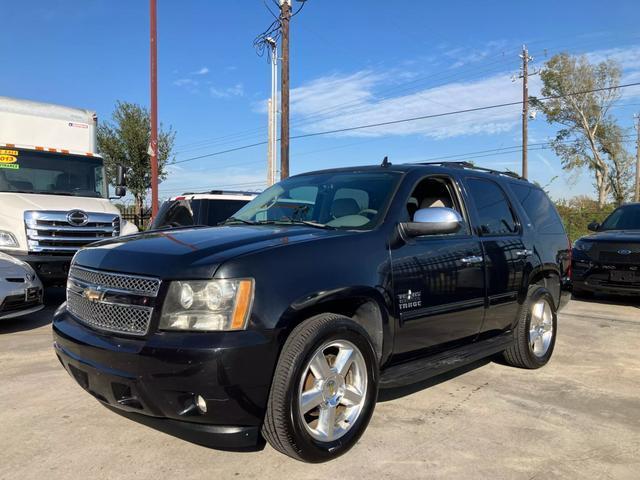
(624, 218)
(539, 209)
(209, 212)
(494, 213)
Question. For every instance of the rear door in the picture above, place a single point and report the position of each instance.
(496, 223)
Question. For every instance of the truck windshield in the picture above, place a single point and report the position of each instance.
(47, 173)
(624, 218)
(345, 200)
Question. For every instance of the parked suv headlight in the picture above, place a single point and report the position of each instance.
(207, 305)
(582, 245)
(7, 239)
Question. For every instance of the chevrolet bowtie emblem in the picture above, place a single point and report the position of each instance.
(92, 294)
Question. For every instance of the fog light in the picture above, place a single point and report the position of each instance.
(201, 403)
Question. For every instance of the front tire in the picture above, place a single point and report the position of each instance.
(324, 389)
(535, 332)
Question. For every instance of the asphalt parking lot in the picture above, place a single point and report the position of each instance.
(579, 417)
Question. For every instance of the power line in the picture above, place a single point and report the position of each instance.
(405, 120)
(356, 105)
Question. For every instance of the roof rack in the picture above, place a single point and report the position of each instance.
(221, 192)
(469, 165)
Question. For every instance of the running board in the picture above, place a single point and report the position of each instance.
(423, 368)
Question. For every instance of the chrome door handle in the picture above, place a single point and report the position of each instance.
(471, 260)
(523, 253)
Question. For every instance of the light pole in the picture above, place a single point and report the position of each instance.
(153, 146)
(273, 115)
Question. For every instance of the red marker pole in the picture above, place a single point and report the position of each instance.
(154, 108)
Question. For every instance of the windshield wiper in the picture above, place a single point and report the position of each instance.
(314, 224)
(235, 219)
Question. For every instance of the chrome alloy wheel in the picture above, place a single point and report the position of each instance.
(541, 328)
(332, 390)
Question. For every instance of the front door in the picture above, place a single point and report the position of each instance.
(438, 281)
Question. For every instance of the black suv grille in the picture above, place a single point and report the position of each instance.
(632, 258)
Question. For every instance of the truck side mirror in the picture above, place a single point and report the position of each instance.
(593, 226)
(121, 180)
(433, 221)
(121, 192)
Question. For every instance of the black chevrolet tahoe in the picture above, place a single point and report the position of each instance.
(283, 323)
(608, 261)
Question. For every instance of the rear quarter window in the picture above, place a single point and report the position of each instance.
(541, 212)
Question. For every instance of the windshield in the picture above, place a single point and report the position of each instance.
(624, 218)
(28, 171)
(344, 200)
(182, 213)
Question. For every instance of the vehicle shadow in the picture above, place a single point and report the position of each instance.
(388, 394)
(627, 301)
(53, 298)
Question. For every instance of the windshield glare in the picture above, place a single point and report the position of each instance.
(340, 200)
(624, 218)
(52, 173)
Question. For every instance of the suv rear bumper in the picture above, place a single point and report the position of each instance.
(155, 380)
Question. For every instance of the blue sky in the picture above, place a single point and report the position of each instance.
(353, 62)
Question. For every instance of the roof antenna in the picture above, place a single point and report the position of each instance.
(385, 162)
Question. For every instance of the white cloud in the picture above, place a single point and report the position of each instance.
(235, 91)
(338, 101)
(202, 71)
(185, 179)
(185, 82)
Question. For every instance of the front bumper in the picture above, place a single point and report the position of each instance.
(155, 380)
(51, 269)
(593, 277)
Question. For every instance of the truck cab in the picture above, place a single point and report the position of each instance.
(53, 186)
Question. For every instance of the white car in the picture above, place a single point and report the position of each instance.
(20, 288)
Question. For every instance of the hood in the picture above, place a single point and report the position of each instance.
(15, 204)
(12, 267)
(191, 253)
(614, 236)
(33, 201)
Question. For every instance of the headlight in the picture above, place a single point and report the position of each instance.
(582, 245)
(7, 239)
(207, 305)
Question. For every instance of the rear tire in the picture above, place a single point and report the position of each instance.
(535, 331)
(316, 411)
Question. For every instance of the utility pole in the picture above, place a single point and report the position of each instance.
(636, 197)
(525, 109)
(153, 146)
(285, 17)
(272, 152)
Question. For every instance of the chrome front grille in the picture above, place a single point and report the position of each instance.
(113, 302)
(66, 232)
(117, 281)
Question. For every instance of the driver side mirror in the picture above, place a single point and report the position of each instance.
(593, 226)
(121, 181)
(433, 221)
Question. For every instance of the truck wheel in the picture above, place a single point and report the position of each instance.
(535, 332)
(324, 389)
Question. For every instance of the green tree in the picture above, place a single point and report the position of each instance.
(125, 141)
(621, 171)
(584, 117)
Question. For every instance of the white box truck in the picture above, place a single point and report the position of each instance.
(53, 188)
